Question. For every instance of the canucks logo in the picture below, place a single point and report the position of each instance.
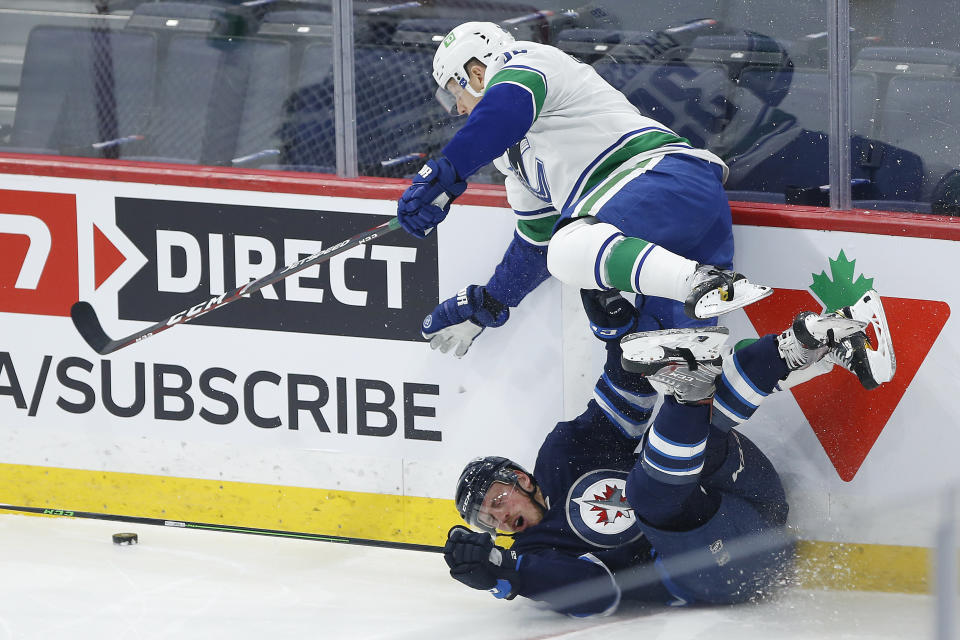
(537, 186)
(598, 511)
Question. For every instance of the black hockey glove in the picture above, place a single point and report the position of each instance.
(611, 315)
(476, 562)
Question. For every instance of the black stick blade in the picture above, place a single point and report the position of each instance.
(85, 320)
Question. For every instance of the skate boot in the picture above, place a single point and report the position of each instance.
(683, 363)
(873, 364)
(714, 292)
(812, 335)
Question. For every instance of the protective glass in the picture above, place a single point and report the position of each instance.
(451, 92)
(447, 100)
(487, 515)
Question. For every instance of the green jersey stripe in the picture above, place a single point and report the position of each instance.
(587, 205)
(537, 230)
(641, 143)
(532, 81)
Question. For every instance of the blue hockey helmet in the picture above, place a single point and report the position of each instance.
(475, 481)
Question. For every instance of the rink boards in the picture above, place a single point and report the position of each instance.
(314, 406)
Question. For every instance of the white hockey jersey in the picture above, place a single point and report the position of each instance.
(583, 131)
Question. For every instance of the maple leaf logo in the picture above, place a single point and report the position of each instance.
(843, 290)
(846, 418)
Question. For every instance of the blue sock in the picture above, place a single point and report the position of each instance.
(749, 376)
(674, 447)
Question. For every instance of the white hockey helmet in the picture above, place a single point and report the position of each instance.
(480, 40)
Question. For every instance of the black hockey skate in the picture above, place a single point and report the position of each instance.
(872, 363)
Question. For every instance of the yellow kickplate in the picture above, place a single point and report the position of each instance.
(372, 516)
(405, 519)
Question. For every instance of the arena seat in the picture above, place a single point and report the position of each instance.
(804, 93)
(306, 133)
(213, 18)
(792, 154)
(895, 61)
(82, 90)
(922, 114)
(267, 87)
(691, 99)
(193, 117)
(587, 45)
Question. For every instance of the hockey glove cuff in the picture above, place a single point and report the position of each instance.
(611, 315)
(419, 210)
(476, 562)
(457, 321)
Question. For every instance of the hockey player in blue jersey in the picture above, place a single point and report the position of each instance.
(696, 512)
(604, 196)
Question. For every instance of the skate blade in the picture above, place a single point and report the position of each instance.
(881, 357)
(713, 303)
(839, 325)
(647, 351)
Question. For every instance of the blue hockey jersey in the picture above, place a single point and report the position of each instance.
(589, 533)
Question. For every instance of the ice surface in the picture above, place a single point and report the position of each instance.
(62, 578)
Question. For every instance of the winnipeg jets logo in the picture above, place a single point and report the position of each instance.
(598, 511)
(538, 187)
(609, 505)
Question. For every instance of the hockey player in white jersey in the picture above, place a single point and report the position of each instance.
(604, 196)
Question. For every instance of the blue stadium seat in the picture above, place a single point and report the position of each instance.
(268, 84)
(739, 51)
(922, 114)
(691, 99)
(210, 17)
(924, 24)
(909, 60)
(587, 45)
(307, 133)
(649, 17)
(400, 119)
(784, 21)
(305, 25)
(82, 90)
(804, 95)
(788, 149)
(192, 119)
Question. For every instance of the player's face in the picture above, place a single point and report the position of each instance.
(466, 101)
(507, 508)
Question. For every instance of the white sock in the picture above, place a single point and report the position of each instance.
(664, 274)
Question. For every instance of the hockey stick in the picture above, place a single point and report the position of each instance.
(88, 324)
(180, 524)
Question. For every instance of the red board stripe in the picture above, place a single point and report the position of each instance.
(744, 213)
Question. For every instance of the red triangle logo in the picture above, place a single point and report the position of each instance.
(106, 257)
(846, 418)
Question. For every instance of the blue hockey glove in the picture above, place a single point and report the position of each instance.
(419, 209)
(457, 321)
(476, 562)
(611, 315)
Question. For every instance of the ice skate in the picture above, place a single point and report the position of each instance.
(718, 291)
(872, 363)
(683, 363)
(649, 351)
(812, 335)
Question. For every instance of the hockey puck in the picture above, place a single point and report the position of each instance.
(125, 538)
